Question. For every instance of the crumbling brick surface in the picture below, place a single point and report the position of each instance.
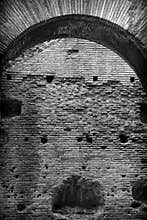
(80, 115)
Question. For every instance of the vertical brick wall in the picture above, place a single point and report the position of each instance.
(80, 115)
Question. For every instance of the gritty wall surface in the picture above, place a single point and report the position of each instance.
(72, 113)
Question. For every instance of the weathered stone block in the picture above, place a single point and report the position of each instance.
(78, 192)
(139, 190)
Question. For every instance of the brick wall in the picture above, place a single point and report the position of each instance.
(80, 115)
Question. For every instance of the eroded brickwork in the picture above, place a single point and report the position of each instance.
(80, 115)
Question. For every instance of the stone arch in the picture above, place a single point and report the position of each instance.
(86, 27)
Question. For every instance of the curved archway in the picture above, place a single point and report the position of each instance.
(30, 130)
(86, 27)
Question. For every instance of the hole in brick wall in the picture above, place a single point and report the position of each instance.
(123, 176)
(88, 138)
(123, 138)
(21, 207)
(46, 166)
(15, 195)
(10, 107)
(113, 189)
(44, 191)
(128, 190)
(135, 204)
(78, 192)
(16, 176)
(26, 139)
(21, 194)
(44, 139)
(13, 169)
(143, 112)
(132, 79)
(50, 78)
(72, 51)
(9, 76)
(95, 78)
(84, 167)
(25, 77)
(144, 160)
(67, 129)
(79, 139)
(38, 195)
(124, 189)
(103, 147)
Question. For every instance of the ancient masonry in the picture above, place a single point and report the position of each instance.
(73, 135)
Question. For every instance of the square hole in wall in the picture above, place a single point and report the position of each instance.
(95, 78)
(9, 76)
(50, 78)
(72, 51)
(132, 79)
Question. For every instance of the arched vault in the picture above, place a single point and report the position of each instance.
(86, 27)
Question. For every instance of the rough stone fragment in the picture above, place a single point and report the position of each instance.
(139, 190)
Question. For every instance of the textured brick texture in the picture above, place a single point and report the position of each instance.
(80, 115)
